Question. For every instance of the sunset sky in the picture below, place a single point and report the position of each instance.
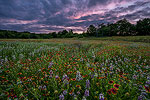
(43, 16)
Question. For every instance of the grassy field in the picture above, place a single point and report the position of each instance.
(110, 68)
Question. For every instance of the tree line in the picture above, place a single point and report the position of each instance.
(120, 28)
(28, 35)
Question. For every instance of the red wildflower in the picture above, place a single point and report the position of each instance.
(100, 77)
(7, 71)
(114, 91)
(111, 82)
(147, 89)
(73, 79)
(19, 73)
(70, 72)
(78, 86)
(116, 86)
(85, 76)
(109, 92)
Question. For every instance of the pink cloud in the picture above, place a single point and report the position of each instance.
(15, 21)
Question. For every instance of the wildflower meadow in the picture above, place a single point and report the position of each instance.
(74, 69)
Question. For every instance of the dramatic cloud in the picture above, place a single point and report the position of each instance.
(43, 16)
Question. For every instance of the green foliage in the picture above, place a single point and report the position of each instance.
(91, 30)
(143, 27)
(120, 28)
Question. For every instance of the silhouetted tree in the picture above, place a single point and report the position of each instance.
(54, 35)
(123, 27)
(91, 30)
(143, 27)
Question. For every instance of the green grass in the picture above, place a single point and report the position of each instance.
(145, 39)
(37, 69)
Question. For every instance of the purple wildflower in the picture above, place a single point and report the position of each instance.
(44, 87)
(111, 68)
(51, 72)
(78, 76)
(56, 76)
(65, 92)
(65, 77)
(50, 76)
(78, 92)
(86, 93)
(50, 64)
(87, 84)
(61, 97)
(101, 96)
(92, 76)
(140, 97)
(134, 76)
(148, 78)
(148, 82)
(40, 87)
(144, 94)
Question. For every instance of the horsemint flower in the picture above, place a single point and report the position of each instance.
(65, 92)
(101, 96)
(78, 76)
(56, 76)
(140, 97)
(86, 93)
(87, 83)
(65, 77)
(50, 64)
(134, 76)
(65, 81)
(148, 82)
(61, 97)
(51, 74)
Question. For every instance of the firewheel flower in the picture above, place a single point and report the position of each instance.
(116, 86)
(111, 82)
(78, 86)
(114, 91)
(73, 79)
(109, 91)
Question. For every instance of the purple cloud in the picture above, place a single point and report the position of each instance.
(55, 15)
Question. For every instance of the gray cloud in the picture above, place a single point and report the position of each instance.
(24, 15)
